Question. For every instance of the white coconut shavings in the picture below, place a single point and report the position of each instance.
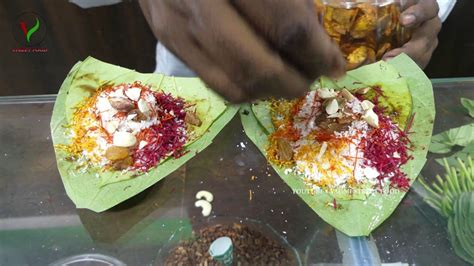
(357, 129)
(100, 139)
(350, 159)
(113, 123)
(108, 114)
(371, 173)
(102, 104)
(322, 150)
(355, 106)
(149, 98)
(308, 108)
(304, 121)
(117, 93)
(314, 169)
(135, 127)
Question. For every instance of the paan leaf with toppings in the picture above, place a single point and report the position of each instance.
(100, 190)
(408, 92)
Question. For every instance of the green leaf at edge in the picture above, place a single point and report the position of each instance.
(469, 105)
(444, 141)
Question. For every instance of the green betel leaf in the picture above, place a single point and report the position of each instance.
(468, 105)
(445, 141)
(462, 154)
(262, 112)
(409, 92)
(100, 190)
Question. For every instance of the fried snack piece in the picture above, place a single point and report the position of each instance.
(383, 48)
(339, 20)
(366, 23)
(371, 58)
(388, 19)
(357, 57)
(360, 56)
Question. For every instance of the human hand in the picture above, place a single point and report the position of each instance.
(422, 17)
(246, 49)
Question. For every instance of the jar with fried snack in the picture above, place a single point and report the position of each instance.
(364, 29)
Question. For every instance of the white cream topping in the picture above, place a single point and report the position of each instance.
(317, 165)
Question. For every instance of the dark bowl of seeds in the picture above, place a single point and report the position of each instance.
(254, 243)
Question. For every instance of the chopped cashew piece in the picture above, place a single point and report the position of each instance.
(335, 115)
(332, 107)
(322, 150)
(124, 139)
(142, 144)
(103, 104)
(131, 115)
(205, 194)
(346, 94)
(363, 90)
(326, 93)
(371, 118)
(366, 105)
(111, 126)
(205, 205)
(143, 107)
(133, 93)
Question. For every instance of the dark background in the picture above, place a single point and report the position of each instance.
(120, 35)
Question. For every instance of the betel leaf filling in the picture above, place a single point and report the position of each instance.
(117, 132)
(338, 141)
(388, 154)
(130, 127)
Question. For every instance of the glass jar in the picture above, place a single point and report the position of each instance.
(364, 29)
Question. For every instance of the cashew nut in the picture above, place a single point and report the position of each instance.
(124, 139)
(366, 105)
(205, 205)
(325, 93)
(143, 107)
(371, 118)
(133, 93)
(332, 107)
(205, 194)
(346, 94)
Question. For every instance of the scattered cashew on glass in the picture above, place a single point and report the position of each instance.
(205, 194)
(205, 203)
